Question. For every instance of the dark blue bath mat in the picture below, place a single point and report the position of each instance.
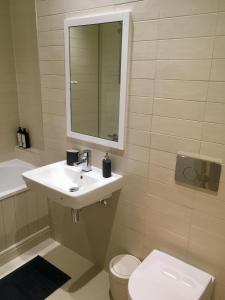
(35, 280)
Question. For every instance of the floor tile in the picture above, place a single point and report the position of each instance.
(87, 280)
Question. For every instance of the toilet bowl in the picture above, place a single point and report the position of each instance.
(163, 277)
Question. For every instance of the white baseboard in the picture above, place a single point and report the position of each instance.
(22, 246)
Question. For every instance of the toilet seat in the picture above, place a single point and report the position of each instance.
(163, 277)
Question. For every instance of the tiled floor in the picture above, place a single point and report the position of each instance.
(87, 281)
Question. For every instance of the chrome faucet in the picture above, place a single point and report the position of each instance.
(85, 160)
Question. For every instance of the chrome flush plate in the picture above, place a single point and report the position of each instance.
(198, 172)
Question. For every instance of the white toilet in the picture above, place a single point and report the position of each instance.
(163, 277)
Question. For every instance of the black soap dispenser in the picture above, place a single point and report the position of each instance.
(106, 166)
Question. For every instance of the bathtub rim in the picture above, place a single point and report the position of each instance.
(20, 188)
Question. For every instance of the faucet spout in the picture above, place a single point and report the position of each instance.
(85, 160)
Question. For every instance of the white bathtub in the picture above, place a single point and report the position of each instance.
(11, 181)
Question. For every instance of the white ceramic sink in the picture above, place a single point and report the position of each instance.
(74, 188)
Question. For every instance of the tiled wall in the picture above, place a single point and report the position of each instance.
(84, 69)
(24, 34)
(20, 216)
(109, 82)
(8, 96)
(176, 103)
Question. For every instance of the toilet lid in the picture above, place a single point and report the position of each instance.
(162, 277)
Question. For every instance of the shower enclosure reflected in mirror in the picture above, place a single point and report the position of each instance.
(96, 75)
(95, 52)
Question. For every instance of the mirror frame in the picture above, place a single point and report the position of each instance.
(124, 17)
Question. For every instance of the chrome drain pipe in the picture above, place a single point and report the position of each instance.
(75, 213)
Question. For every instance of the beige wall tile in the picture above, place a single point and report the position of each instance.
(191, 110)
(54, 22)
(49, 7)
(187, 26)
(220, 24)
(144, 50)
(183, 69)
(53, 81)
(52, 67)
(131, 216)
(218, 70)
(161, 174)
(211, 203)
(215, 112)
(54, 126)
(140, 121)
(54, 107)
(213, 150)
(51, 38)
(141, 105)
(164, 240)
(214, 133)
(188, 48)
(164, 159)
(142, 87)
(207, 223)
(53, 94)
(219, 48)
(145, 30)
(138, 153)
(170, 8)
(131, 239)
(172, 192)
(52, 53)
(143, 69)
(221, 5)
(199, 240)
(168, 215)
(137, 168)
(216, 92)
(143, 10)
(136, 195)
(174, 144)
(177, 127)
(179, 89)
(139, 137)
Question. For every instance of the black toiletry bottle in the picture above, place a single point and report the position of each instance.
(25, 139)
(19, 136)
(106, 166)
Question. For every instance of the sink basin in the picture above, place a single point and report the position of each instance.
(74, 188)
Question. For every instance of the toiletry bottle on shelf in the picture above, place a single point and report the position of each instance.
(106, 166)
(19, 137)
(25, 139)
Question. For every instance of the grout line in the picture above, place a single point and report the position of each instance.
(207, 91)
(179, 79)
(153, 94)
(114, 6)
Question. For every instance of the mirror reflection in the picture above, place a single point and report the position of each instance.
(95, 60)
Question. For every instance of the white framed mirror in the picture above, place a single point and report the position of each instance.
(96, 61)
